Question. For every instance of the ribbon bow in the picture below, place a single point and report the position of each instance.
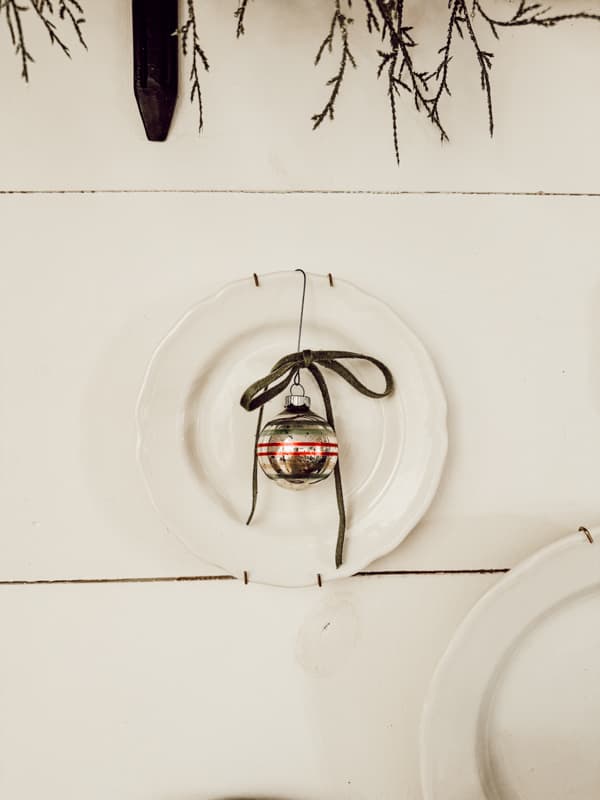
(280, 376)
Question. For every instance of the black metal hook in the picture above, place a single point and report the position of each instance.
(297, 375)
(301, 308)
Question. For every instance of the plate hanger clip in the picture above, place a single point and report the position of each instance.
(587, 534)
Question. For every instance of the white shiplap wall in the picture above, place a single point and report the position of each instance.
(174, 691)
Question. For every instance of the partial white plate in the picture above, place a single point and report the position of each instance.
(513, 711)
(195, 442)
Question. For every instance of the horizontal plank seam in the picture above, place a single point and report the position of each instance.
(192, 578)
(499, 570)
(375, 192)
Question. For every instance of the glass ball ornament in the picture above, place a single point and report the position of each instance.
(297, 448)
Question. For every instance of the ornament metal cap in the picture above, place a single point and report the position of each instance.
(297, 400)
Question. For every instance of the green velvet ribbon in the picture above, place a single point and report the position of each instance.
(283, 372)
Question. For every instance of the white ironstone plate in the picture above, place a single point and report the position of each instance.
(514, 707)
(195, 442)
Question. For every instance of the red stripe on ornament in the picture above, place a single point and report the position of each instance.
(297, 453)
(297, 444)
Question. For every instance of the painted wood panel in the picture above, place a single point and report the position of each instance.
(212, 689)
(502, 291)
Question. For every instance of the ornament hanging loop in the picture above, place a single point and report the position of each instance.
(296, 380)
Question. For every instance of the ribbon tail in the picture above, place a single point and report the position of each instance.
(255, 468)
(339, 493)
(339, 547)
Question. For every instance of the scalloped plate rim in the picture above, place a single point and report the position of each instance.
(436, 466)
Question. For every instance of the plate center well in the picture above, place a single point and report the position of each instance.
(219, 435)
(539, 724)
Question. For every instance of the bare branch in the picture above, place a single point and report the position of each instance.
(484, 59)
(44, 10)
(372, 21)
(190, 45)
(534, 14)
(403, 76)
(441, 73)
(66, 12)
(240, 14)
(340, 22)
(72, 10)
(13, 13)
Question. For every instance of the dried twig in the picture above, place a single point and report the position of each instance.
(43, 9)
(402, 75)
(372, 21)
(440, 74)
(240, 14)
(484, 59)
(190, 45)
(13, 13)
(341, 22)
(535, 14)
(72, 10)
(50, 15)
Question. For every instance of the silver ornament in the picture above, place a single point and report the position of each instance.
(297, 448)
